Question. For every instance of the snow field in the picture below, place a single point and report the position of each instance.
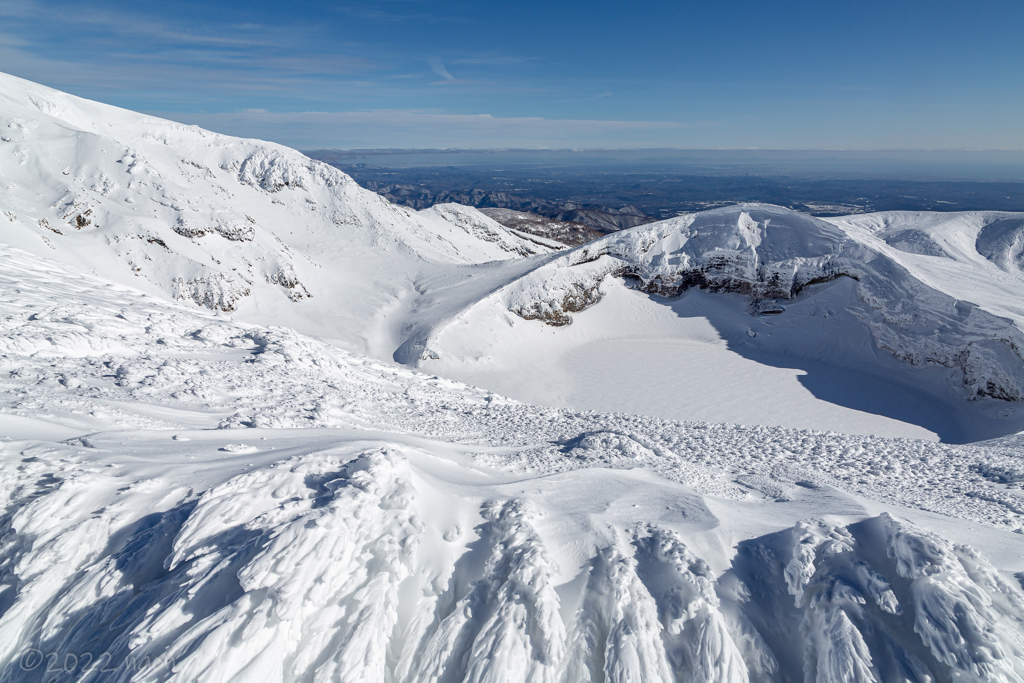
(80, 359)
(439, 532)
(259, 230)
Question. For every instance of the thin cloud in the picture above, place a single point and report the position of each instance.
(588, 99)
(485, 60)
(437, 66)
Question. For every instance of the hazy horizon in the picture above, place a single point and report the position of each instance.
(940, 164)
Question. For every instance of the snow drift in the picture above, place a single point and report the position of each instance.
(188, 496)
(261, 231)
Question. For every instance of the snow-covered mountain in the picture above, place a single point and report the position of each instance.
(226, 223)
(931, 310)
(187, 495)
(898, 324)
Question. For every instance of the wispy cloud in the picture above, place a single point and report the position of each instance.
(149, 63)
(603, 95)
(437, 66)
(395, 11)
(491, 60)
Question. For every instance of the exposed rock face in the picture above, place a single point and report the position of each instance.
(230, 226)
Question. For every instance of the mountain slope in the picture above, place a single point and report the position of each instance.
(188, 495)
(219, 221)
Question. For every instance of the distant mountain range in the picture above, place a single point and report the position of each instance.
(571, 233)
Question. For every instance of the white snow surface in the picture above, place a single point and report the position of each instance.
(225, 223)
(188, 493)
(707, 316)
(187, 497)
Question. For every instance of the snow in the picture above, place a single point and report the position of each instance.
(433, 529)
(790, 319)
(274, 238)
(190, 493)
(228, 224)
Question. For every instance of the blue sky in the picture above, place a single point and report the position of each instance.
(416, 73)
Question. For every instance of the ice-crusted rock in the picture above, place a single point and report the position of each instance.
(759, 250)
(224, 223)
(218, 291)
(274, 172)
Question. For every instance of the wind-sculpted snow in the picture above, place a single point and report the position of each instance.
(319, 594)
(698, 640)
(301, 561)
(507, 628)
(618, 625)
(313, 567)
(967, 615)
(853, 607)
(83, 352)
(188, 497)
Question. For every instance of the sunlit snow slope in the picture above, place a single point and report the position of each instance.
(225, 223)
(190, 498)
